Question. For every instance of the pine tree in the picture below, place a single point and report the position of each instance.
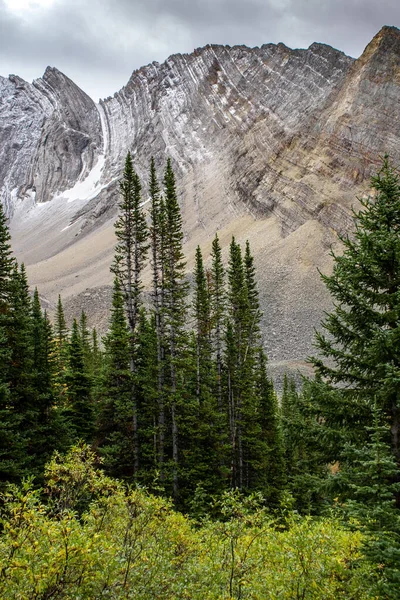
(132, 247)
(20, 341)
(362, 331)
(115, 415)
(272, 453)
(85, 339)
(157, 229)
(9, 422)
(175, 307)
(6, 268)
(217, 309)
(368, 485)
(242, 344)
(6, 263)
(203, 449)
(201, 310)
(130, 256)
(48, 431)
(96, 363)
(79, 407)
(60, 352)
(148, 398)
(21, 400)
(253, 300)
(307, 450)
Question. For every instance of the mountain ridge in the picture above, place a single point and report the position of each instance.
(270, 144)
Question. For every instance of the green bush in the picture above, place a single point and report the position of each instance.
(93, 538)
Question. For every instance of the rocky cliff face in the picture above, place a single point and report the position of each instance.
(50, 136)
(268, 143)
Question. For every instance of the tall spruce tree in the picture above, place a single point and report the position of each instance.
(6, 268)
(129, 261)
(21, 374)
(174, 310)
(61, 352)
(271, 477)
(218, 311)
(132, 245)
(49, 431)
(148, 398)
(240, 367)
(9, 422)
(308, 450)
(368, 486)
(363, 330)
(157, 230)
(253, 301)
(115, 414)
(206, 421)
(79, 406)
(85, 339)
(202, 316)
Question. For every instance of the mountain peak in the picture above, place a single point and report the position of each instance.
(387, 40)
(381, 58)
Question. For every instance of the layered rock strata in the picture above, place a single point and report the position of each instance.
(268, 143)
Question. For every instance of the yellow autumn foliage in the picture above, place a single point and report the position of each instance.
(104, 541)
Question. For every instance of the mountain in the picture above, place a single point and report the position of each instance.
(270, 144)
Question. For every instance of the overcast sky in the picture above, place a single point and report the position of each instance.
(98, 43)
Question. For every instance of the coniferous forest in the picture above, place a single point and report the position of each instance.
(159, 462)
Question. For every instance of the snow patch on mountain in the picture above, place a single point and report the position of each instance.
(89, 187)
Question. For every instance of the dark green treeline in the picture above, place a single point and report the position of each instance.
(178, 397)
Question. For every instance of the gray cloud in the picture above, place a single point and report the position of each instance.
(99, 42)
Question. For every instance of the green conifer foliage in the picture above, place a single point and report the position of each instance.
(368, 478)
(20, 341)
(86, 340)
(42, 353)
(6, 262)
(253, 300)
(175, 307)
(217, 309)
(129, 261)
(132, 246)
(9, 421)
(79, 406)
(6, 268)
(306, 454)
(205, 422)
(242, 344)
(48, 430)
(60, 352)
(201, 310)
(115, 415)
(157, 229)
(362, 331)
(96, 363)
(271, 480)
(148, 397)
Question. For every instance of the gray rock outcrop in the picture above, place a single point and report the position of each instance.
(268, 143)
